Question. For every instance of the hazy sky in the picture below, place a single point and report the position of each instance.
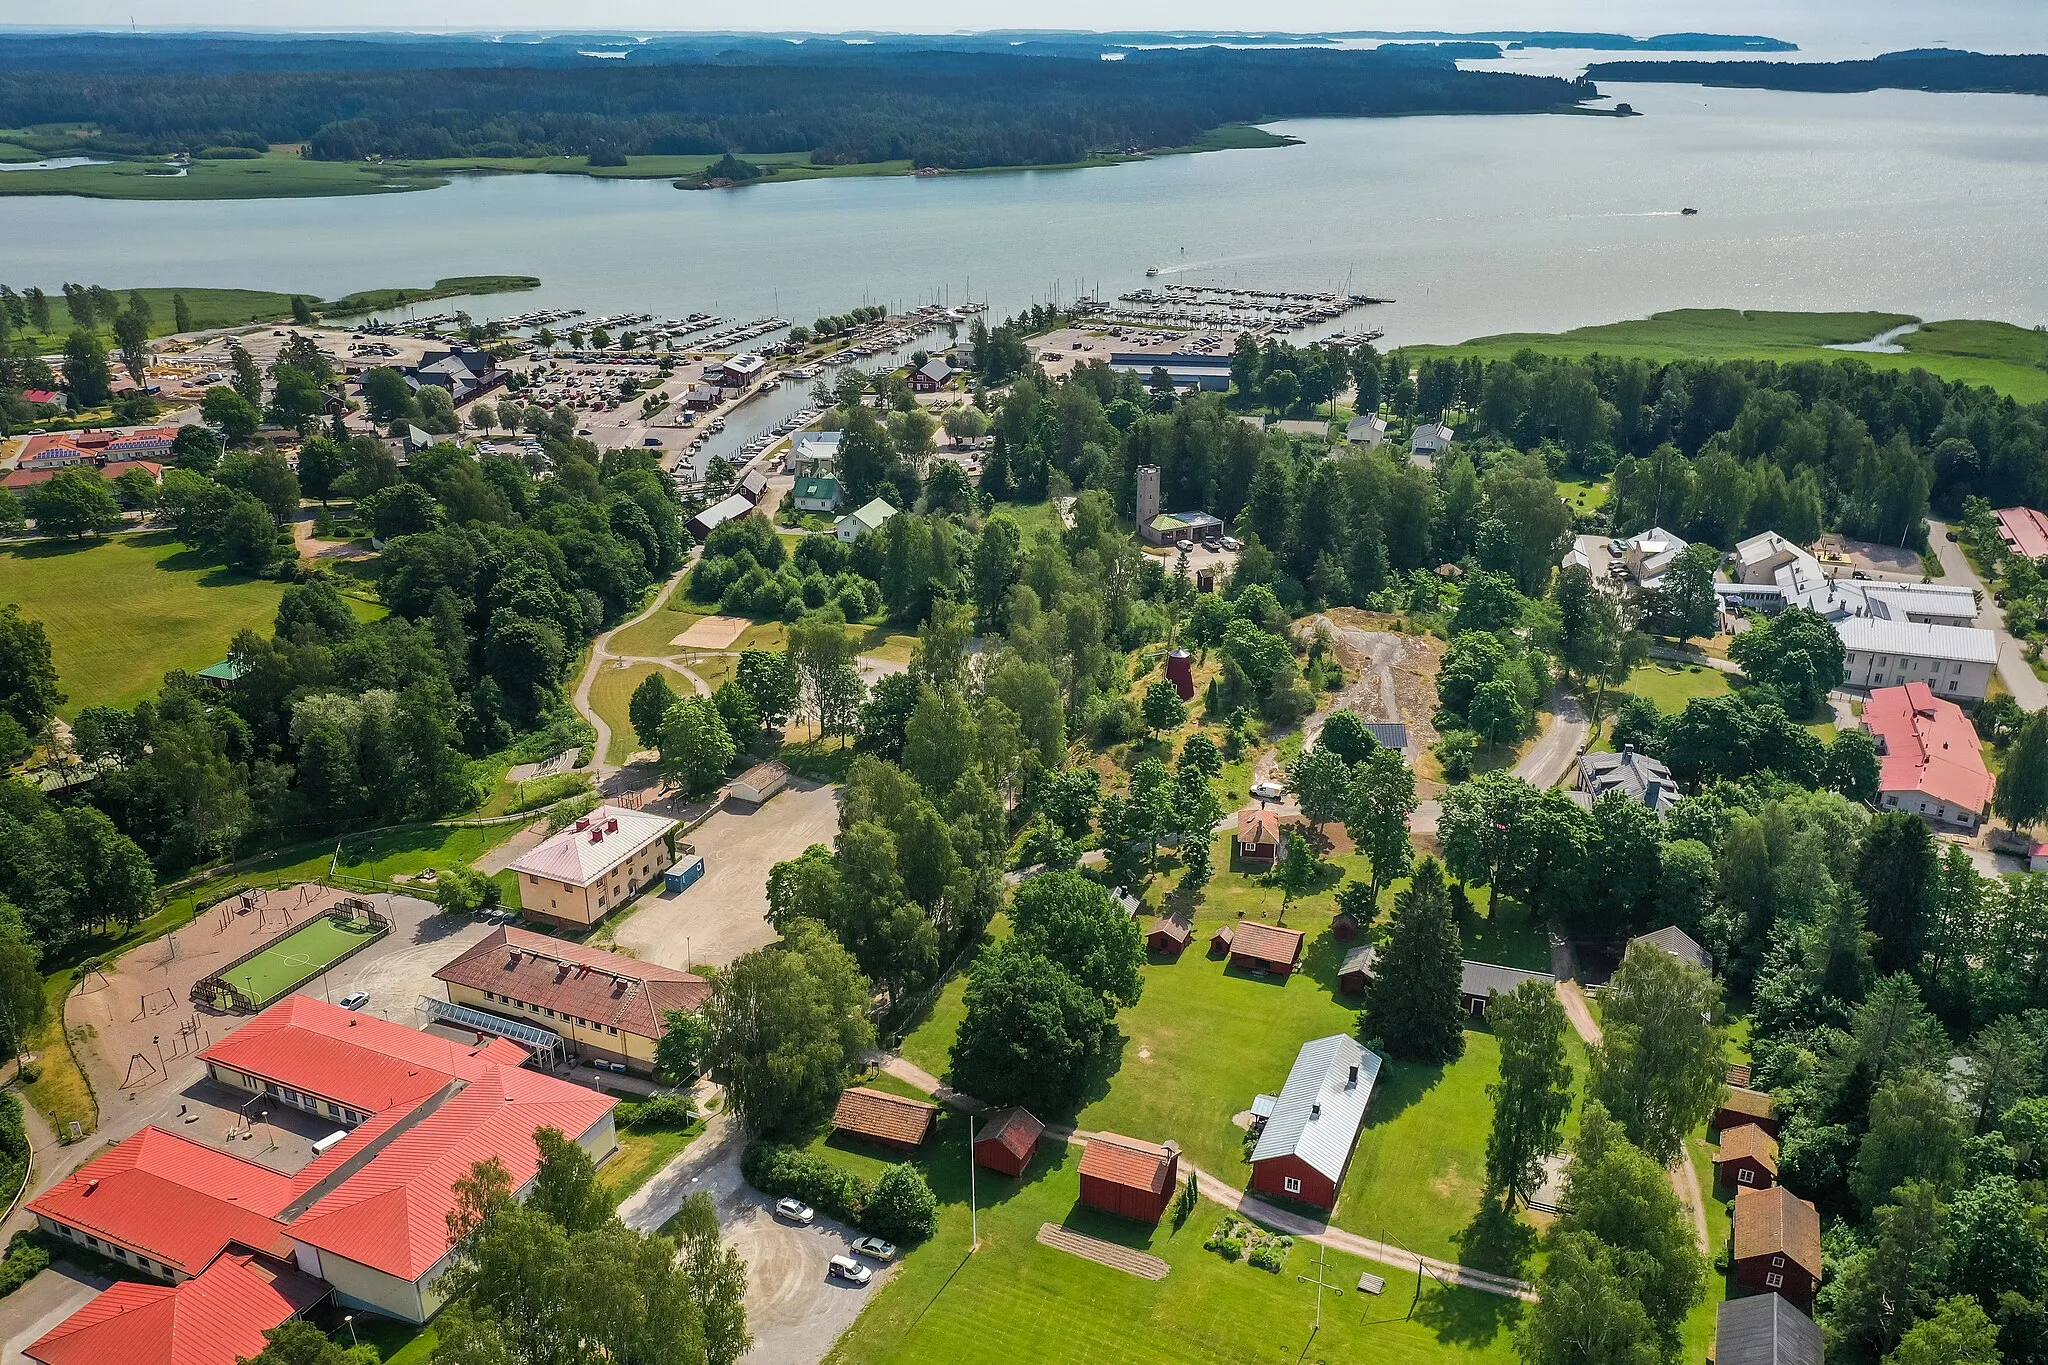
(1843, 24)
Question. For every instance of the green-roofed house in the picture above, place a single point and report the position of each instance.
(817, 493)
(221, 676)
(854, 525)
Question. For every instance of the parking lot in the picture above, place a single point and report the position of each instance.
(725, 913)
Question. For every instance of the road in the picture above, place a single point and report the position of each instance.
(794, 1309)
(2027, 689)
(1548, 762)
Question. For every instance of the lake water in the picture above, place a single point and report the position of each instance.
(1930, 204)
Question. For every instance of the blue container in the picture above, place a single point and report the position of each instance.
(683, 873)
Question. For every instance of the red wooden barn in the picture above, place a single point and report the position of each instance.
(1129, 1178)
(1257, 947)
(877, 1116)
(1306, 1141)
(1168, 937)
(1006, 1140)
(1776, 1246)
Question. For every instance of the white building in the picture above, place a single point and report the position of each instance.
(1955, 662)
(815, 453)
(1368, 431)
(1432, 439)
(577, 877)
(856, 524)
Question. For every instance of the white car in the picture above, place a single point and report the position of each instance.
(850, 1270)
(1184, 546)
(1232, 543)
(795, 1211)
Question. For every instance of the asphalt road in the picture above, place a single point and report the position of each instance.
(2013, 669)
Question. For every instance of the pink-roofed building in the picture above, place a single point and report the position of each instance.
(1930, 762)
(582, 874)
(2024, 531)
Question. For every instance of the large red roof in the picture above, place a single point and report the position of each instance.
(172, 1199)
(1129, 1162)
(382, 1196)
(1929, 746)
(2024, 530)
(351, 1058)
(217, 1318)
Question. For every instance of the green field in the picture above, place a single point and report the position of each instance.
(240, 307)
(946, 1304)
(1998, 355)
(276, 175)
(1672, 685)
(306, 951)
(611, 693)
(123, 611)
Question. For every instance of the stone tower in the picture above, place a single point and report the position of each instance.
(1148, 495)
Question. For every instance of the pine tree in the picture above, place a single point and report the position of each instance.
(1414, 1007)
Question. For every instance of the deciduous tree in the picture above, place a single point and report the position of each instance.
(1534, 1092)
(1658, 1068)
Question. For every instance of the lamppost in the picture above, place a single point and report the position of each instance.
(350, 1319)
(973, 1209)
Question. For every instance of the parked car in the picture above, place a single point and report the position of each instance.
(1952, 535)
(1232, 543)
(1859, 574)
(850, 1270)
(1268, 790)
(796, 1211)
(355, 1000)
(875, 1249)
(1184, 546)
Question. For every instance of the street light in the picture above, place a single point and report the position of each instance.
(350, 1319)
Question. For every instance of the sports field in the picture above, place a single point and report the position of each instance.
(311, 948)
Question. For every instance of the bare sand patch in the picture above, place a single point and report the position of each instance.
(713, 632)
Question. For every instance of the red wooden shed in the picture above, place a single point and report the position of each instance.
(1128, 1177)
(1260, 947)
(1006, 1140)
(1258, 836)
(1168, 937)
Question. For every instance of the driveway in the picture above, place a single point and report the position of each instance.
(725, 913)
(2018, 676)
(41, 1304)
(794, 1309)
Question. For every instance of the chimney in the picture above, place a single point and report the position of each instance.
(1354, 1075)
(1628, 752)
(611, 825)
(582, 823)
(1315, 1111)
(596, 836)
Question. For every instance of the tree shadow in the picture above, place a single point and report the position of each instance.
(1497, 1240)
(1401, 1086)
(1467, 1317)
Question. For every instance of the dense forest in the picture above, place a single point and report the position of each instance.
(934, 108)
(1921, 69)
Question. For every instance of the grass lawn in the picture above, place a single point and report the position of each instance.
(642, 1152)
(1699, 1324)
(1672, 685)
(611, 696)
(1584, 495)
(406, 852)
(123, 611)
(944, 1305)
(1995, 354)
(1031, 518)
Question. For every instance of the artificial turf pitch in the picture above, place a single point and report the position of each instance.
(311, 948)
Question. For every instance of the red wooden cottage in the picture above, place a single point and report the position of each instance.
(1168, 937)
(1776, 1246)
(877, 1116)
(1742, 1106)
(1006, 1140)
(1129, 1178)
(1747, 1159)
(1257, 947)
(1259, 836)
(1307, 1140)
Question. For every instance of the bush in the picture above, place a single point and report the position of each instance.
(902, 1208)
(662, 1111)
(1271, 1254)
(25, 1259)
(775, 1169)
(459, 891)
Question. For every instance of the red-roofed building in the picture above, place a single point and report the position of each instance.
(44, 398)
(342, 1064)
(216, 1318)
(2024, 531)
(1006, 1141)
(367, 1220)
(1929, 758)
(1129, 1177)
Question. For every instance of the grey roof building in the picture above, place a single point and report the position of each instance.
(1321, 1107)
(1479, 982)
(1765, 1330)
(1637, 775)
(1675, 941)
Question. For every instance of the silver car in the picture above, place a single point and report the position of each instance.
(795, 1211)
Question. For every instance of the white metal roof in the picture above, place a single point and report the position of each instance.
(1321, 1108)
(1963, 644)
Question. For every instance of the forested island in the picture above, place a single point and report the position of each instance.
(1933, 69)
(933, 109)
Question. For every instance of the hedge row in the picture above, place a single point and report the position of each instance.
(899, 1207)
